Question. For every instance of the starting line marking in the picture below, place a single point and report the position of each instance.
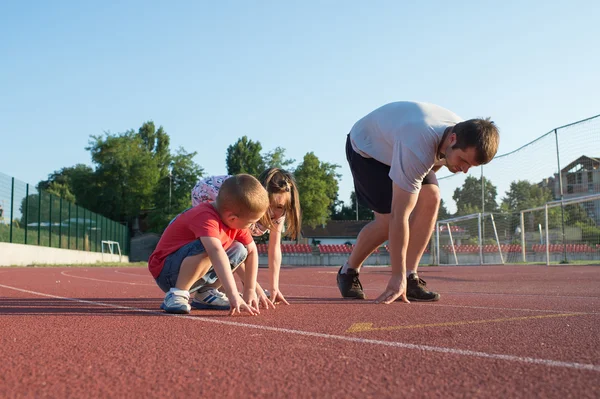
(423, 348)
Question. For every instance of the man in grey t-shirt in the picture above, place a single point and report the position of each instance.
(393, 154)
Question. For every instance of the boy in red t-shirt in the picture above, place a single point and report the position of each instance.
(212, 237)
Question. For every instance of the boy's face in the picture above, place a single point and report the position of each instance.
(233, 221)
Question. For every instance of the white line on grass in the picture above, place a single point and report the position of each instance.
(424, 348)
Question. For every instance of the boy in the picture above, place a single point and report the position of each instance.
(393, 154)
(213, 233)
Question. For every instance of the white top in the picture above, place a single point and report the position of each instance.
(405, 136)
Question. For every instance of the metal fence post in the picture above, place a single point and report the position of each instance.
(39, 226)
(12, 209)
(547, 235)
(83, 228)
(437, 241)
(76, 227)
(562, 205)
(523, 249)
(60, 222)
(26, 211)
(482, 219)
(69, 228)
(96, 233)
(50, 221)
(480, 241)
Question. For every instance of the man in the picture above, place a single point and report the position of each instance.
(393, 154)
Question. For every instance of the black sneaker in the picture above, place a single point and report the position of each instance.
(349, 284)
(416, 291)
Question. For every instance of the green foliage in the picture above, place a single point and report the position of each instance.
(590, 234)
(276, 159)
(172, 194)
(133, 174)
(69, 183)
(75, 236)
(575, 214)
(318, 187)
(126, 175)
(339, 211)
(525, 195)
(443, 211)
(244, 157)
(468, 197)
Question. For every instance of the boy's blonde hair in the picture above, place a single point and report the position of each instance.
(243, 195)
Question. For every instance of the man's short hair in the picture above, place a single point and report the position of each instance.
(479, 133)
(244, 195)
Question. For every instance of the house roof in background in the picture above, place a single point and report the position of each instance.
(586, 161)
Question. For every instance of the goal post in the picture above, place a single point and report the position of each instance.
(110, 246)
(462, 240)
(561, 231)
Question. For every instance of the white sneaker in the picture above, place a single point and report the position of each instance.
(176, 302)
(211, 299)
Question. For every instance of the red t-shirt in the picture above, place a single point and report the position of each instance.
(200, 221)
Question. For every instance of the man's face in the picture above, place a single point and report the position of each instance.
(460, 160)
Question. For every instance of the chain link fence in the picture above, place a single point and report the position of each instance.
(560, 168)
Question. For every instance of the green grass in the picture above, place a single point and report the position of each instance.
(47, 238)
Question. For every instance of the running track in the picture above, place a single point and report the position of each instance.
(498, 331)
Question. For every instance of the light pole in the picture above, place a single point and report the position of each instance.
(170, 184)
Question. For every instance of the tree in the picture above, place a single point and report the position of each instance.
(131, 177)
(276, 159)
(173, 190)
(318, 187)
(46, 209)
(443, 212)
(244, 157)
(157, 143)
(69, 182)
(525, 195)
(340, 211)
(127, 175)
(468, 197)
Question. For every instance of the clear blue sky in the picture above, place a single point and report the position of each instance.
(290, 74)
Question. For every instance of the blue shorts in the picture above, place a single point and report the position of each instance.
(167, 278)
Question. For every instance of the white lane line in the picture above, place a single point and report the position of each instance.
(104, 281)
(133, 274)
(311, 286)
(423, 348)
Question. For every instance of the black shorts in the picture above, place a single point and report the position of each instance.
(372, 182)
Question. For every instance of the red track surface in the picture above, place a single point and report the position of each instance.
(498, 331)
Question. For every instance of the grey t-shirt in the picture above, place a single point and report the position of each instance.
(406, 136)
